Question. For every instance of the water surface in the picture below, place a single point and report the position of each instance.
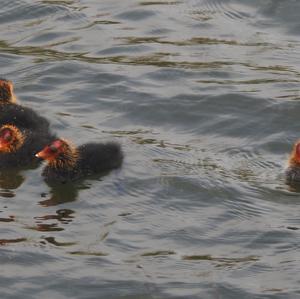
(204, 98)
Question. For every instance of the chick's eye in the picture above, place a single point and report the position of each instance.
(53, 148)
(7, 137)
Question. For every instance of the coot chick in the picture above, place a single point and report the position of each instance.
(293, 170)
(7, 94)
(66, 163)
(18, 115)
(17, 146)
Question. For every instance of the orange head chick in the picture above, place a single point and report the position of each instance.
(294, 159)
(11, 139)
(7, 92)
(59, 154)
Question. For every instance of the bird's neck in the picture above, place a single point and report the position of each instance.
(65, 161)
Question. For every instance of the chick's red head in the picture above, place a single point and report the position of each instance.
(51, 151)
(11, 139)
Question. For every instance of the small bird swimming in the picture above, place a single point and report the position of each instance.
(293, 170)
(65, 162)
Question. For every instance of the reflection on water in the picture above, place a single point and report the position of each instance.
(11, 179)
(12, 241)
(59, 194)
(53, 241)
(46, 227)
(64, 216)
(11, 218)
(57, 221)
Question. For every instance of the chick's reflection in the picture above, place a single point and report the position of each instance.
(59, 194)
(11, 179)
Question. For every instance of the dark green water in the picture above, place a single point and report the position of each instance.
(204, 98)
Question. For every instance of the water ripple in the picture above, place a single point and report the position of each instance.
(12, 12)
(203, 97)
(207, 10)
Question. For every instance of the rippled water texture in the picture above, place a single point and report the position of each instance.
(204, 98)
